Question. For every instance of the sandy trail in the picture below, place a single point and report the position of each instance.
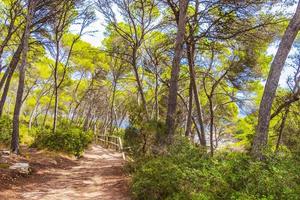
(98, 175)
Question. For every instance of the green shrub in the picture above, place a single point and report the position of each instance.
(5, 130)
(67, 139)
(144, 139)
(26, 135)
(189, 173)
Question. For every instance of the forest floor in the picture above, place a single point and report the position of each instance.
(97, 175)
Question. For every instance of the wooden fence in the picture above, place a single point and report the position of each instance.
(111, 142)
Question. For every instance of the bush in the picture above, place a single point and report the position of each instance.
(5, 130)
(189, 173)
(27, 135)
(144, 139)
(66, 139)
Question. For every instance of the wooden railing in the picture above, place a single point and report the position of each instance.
(111, 142)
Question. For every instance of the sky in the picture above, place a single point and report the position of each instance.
(97, 28)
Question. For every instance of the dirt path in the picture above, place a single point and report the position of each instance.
(98, 175)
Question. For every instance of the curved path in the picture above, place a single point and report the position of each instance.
(98, 175)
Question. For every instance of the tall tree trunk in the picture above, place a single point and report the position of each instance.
(57, 84)
(138, 80)
(190, 55)
(47, 109)
(55, 110)
(37, 104)
(87, 119)
(3, 78)
(75, 112)
(211, 125)
(172, 98)
(156, 95)
(56, 88)
(261, 137)
(12, 67)
(190, 109)
(74, 96)
(19, 98)
(112, 107)
(32, 114)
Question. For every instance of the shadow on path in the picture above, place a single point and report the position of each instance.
(98, 175)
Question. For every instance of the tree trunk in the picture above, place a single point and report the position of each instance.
(75, 112)
(139, 84)
(74, 96)
(190, 55)
(172, 97)
(37, 104)
(156, 95)
(261, 137)
(87, 119)
(211, 125)
(12, 67)
(281, 128)
(55, 110)
(55, 88)
(19, 98)
(3, 78)
(32, 114)
(9, 34)
(189, 116)
(47, 110)
(112, 107)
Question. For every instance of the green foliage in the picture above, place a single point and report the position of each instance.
(245, 129)
(186, 172)
(5, 130)
(27, 135)
(67, 139)
(144, 139)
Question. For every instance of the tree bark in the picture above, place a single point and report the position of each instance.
(190, 108)
(47, 109)
(261, 136)
(172, 97)
(139, 84)
(211, 125)
(32, 114)
(55, 88)
(156, 94)
(11, 30)
(11, 69)
(74, 96)
(20, 91)
(190, 55)
(112, 107)
(87, 119)
(3, 78)
(281, 128)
